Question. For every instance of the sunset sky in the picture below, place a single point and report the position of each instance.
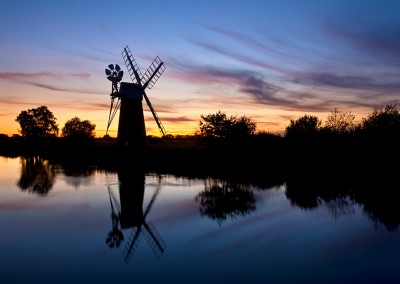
(268, 60)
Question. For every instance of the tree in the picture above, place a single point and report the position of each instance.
(306, 126)
(229, 129)
(75, 129)
(3, 137)
(339, 122)
(37, 123)
(382, 123)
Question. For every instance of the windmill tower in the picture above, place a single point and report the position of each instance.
(129, 96)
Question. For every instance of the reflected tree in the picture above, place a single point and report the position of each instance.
(376, 191)
(302, 193)
(37, 175)
(340, 206)
(78, 176)
(380, 199)
(309, 195)
(222, 199)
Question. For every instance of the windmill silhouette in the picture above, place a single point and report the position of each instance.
(129, 96)
(128, 213)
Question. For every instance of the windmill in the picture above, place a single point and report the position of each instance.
(129, 96)
(142, 227)
(129, 215)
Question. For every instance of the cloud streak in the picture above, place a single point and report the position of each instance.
(345, 81)
(249, 42)
(34, 78)
(248, 82)
(242, 58)
(369, 85)
(378, 43)
(16, 76)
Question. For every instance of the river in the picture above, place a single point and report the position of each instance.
(88, 225)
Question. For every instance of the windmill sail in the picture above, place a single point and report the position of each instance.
(133, 68)
(152, 73)
(148, 80)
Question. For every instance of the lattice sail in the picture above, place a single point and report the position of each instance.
(152, 73)
(131, 65)
(148, 80)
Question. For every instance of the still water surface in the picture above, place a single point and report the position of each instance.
(87, 225)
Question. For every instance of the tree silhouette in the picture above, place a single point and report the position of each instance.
(37, 123)
(75, 129)
(339, 122)
(227, 129)
(383, 123)
(305, 126)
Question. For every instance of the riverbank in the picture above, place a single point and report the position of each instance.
(272, 157)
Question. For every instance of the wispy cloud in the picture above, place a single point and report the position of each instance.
(378, 43)
(105, 30)
(345, 81)
(250, 42)
(241, 57)
(34, 78)
(247, 82)
(328, 82)
(15, 76)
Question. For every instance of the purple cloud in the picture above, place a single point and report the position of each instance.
(252, 43)
(34, 77)
(243, 58)
(37, 75)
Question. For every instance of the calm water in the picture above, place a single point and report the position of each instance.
(68, 225)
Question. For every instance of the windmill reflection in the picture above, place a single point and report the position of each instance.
(128, 214)
(221, 199)
(37, 175)
(115, 237)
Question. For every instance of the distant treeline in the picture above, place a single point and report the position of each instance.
(232, 138)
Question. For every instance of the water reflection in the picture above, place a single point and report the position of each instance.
(78, 176)
(222, 199)
(37, 175)
(127, 213)
(381, 205)
(375, 192)
(341, 206)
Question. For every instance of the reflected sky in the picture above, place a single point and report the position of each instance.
(61, 237)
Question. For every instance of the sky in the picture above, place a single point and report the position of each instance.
(271, 60)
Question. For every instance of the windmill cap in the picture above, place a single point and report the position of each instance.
(131, 91)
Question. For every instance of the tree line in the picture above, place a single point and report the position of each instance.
(382, 123)
(39, 124)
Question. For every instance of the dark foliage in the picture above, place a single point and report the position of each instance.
(228, 130)
(37, 123)
(77, 131)
(305, 127)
